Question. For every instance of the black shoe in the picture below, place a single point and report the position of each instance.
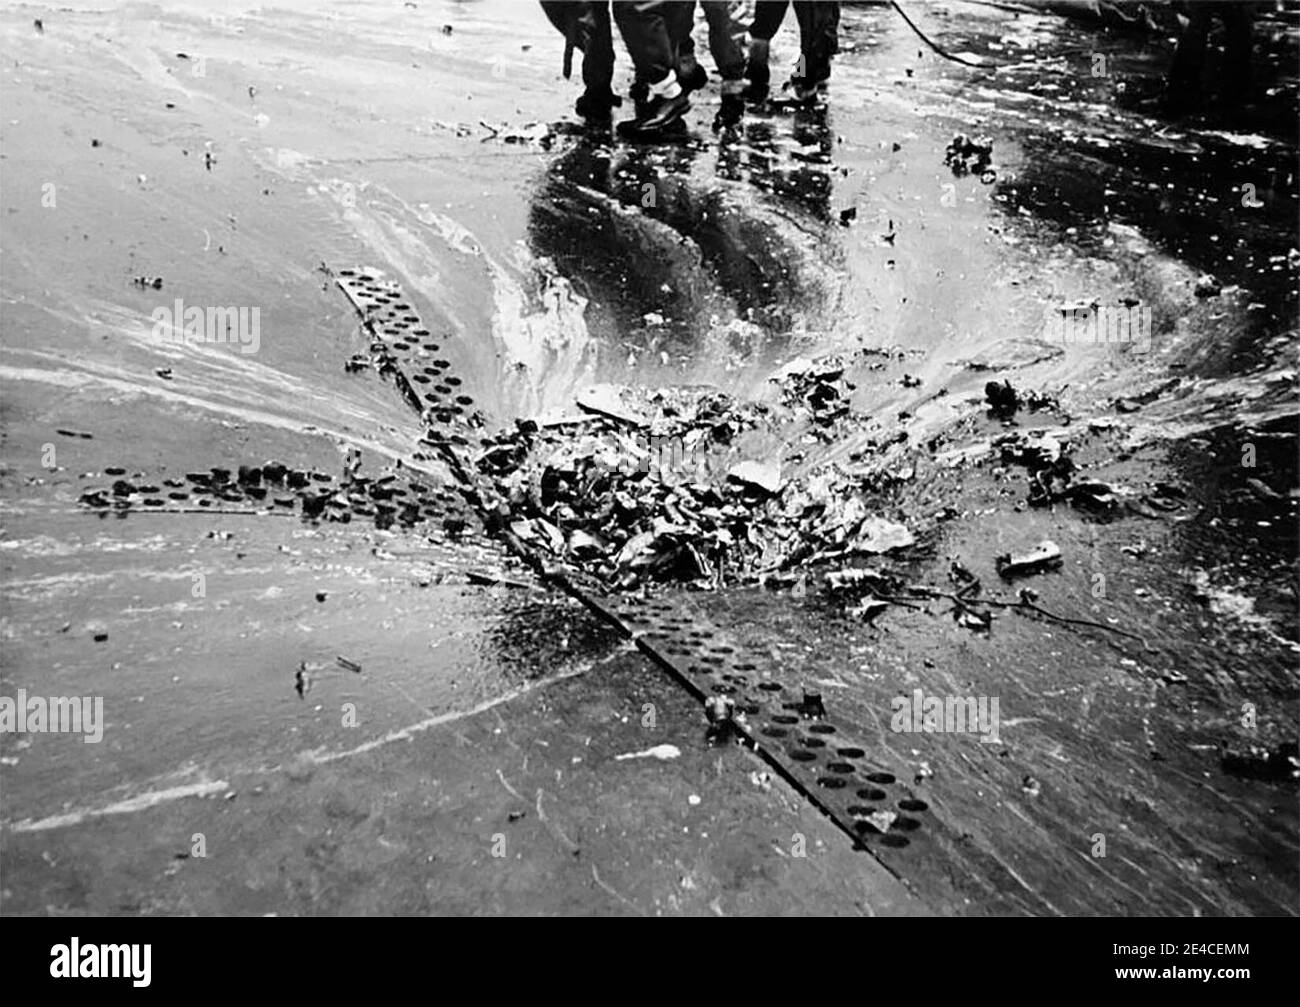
(664, 112)
(661, 115)
(596, 105)
(630, 132)
(694, 80)
(731, 112)
(806, 92)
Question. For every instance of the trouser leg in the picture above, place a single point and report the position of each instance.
(645, 29)
(724, 44)
(768, 15)
(679, 18)
(598, 58)
(645, 32)
(725, 36)
(819, 31)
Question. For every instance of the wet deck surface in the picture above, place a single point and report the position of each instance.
(490, 719)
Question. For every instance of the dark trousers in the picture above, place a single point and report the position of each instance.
(724, 36)
(819, 31)
(586, 27)
(644, 26)
(724, 39)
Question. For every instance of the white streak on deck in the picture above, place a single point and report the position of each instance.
(137, 803)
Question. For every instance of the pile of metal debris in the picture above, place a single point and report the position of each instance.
(967, 155)
(688, 485)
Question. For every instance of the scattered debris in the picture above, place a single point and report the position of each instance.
(879, 535)
(1095, 496)
(537, 134)
(1002, 399)
(720, 710)
(660, 752)
(1046, 556)
(817, 385)
(1282, 762)
(880, 820)
(148, 281)
(1050, 467)
(1207, 285)
(656, 485)
(811, 705)
(968, 585)
(969, 156)
(855, 582)
(607, 401)
(867, 609)
(725, 722)
(864, 593)
(1137, 550)
(1263, 490)
(496, 580)
(764, 476)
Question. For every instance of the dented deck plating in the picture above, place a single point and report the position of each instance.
(806, 745)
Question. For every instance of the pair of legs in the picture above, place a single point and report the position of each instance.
(647, 27)
(725, 45)
(819, 25)
(725, 35)
(658, 38)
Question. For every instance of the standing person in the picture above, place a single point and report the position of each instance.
(586, 27)
(819, 24)
(725, 34)
(645, 27)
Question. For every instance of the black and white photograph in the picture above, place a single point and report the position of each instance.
(713, 458)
